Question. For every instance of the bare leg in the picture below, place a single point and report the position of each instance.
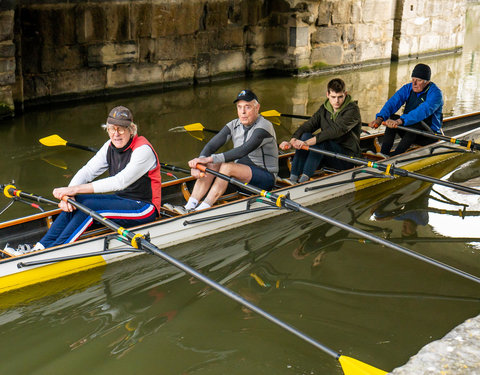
(203, 184)
(239, 171)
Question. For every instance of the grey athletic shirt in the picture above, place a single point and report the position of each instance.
(252, 145)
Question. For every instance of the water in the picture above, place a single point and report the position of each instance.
(361, 299)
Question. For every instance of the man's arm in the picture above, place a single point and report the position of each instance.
(250, 145)
(395, 102)
(433, 101)
(216, 142)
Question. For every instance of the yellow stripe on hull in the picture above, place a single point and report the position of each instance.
(49, 272)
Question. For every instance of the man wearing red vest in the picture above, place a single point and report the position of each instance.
(134, 181)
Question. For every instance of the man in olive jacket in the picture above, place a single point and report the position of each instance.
(339, 123)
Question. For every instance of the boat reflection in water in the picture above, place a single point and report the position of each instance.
(354, 295)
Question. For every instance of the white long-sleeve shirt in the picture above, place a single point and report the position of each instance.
(142, 160)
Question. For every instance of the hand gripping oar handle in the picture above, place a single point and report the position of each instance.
(391, 169)
(139, 241)
(283, 201)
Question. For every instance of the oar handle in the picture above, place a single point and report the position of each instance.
(82, 147)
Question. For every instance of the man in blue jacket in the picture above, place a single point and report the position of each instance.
(423, 103)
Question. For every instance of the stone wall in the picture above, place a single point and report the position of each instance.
(7, 58)
(70, 49)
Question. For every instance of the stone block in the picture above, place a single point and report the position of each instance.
(227, 62)
(324, 13)
(78, 81)
(118, 22)
(50, 25)
(326, 35)
(179, 71)
(429, 43)
(133, 75)
(372, 9)
(7, 64)
(55, 59)
(232, 37)
(251, 12)
(91, 23)
(141, 20)
(341, 12)
(204, 41)
(331, 55)
(176, 19)
(7, 49)
(170, 48)
(6, 25)
(146, 50)
(216, 15)
(271, 36)
(299, 36)
(35, 86)
(7, 78)
(112, 53)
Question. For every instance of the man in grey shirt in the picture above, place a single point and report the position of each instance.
(253, 158)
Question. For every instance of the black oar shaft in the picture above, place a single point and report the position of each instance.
(283, 201)
(82, 147)
(295, 116)
(146, 245)
(461, 142)
(392, 170)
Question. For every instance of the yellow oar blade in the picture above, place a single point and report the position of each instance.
(271, 113)
(197, 127)
(352, 366)
(53, 140)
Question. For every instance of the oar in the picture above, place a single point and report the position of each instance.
(275, 113)
(461, 142)
(350, 366)
(283, 201)
(198, 127)
(391, 169)
(56, 140)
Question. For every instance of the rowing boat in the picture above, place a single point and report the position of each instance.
(99, 247)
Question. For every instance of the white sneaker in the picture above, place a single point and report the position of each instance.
(22, 249)
(380, 155)
(11, 251)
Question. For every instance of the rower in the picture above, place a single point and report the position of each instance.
(423, 102)
(253, 159)
(134, 180)
(337, 125)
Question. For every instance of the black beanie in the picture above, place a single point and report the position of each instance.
(422, 71)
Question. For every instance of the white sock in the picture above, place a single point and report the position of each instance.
(192, 203)
(202, 206)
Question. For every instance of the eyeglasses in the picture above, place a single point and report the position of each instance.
(111, 129)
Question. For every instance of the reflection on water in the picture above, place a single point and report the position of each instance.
(364, 300)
